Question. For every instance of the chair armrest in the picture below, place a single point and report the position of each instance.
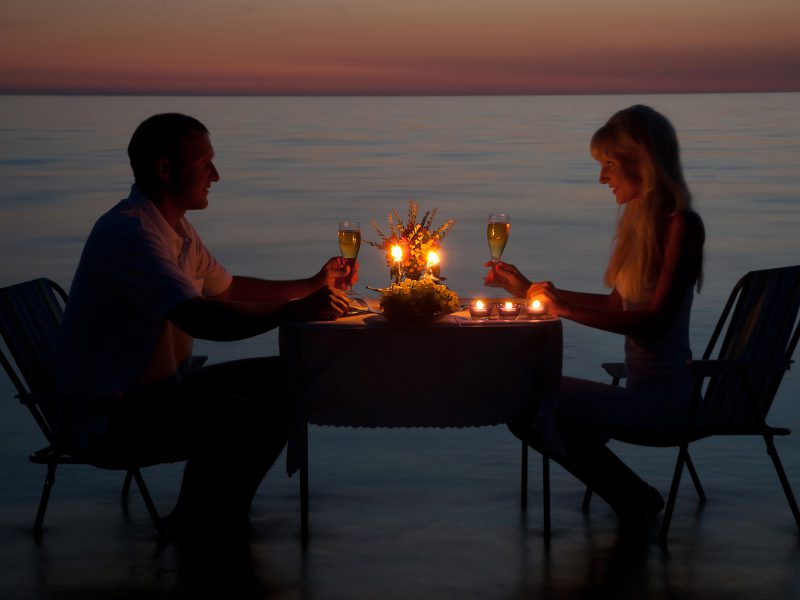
(710, 368)
(48, 398)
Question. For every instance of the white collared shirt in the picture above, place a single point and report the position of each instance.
(134, 268)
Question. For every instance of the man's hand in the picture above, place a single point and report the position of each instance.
(339, 272)
(327, 303)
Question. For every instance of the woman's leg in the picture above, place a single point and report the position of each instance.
(586, 415)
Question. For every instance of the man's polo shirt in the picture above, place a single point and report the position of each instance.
(134, 268)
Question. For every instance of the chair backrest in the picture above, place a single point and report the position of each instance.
(31, 314)
(762, 325)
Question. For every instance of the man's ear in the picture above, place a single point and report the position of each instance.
(163, 170)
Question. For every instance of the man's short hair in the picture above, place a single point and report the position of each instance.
(160, 136)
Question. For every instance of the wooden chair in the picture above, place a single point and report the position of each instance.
(736, 381)
(30, 323)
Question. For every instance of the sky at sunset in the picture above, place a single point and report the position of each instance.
(398, 47)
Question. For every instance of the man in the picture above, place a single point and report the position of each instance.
(145, 286)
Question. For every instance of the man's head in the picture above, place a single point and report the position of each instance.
(171, 152)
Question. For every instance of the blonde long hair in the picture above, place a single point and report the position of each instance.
(640, 135)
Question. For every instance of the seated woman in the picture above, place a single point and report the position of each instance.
(655, 264)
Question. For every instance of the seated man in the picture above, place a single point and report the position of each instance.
(145, 286)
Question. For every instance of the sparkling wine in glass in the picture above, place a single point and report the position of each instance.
(349, 240)
(497, 228)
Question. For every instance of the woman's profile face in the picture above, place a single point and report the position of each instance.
(623, 175)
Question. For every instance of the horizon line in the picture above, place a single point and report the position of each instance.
(345, 94)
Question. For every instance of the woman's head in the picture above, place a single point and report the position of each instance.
(640, 158)
(640, 144)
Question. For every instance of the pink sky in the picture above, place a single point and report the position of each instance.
(409, 46)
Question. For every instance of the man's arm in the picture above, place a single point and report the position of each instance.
(220, 319)
(252, 289)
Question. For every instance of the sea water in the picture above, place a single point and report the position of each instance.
(292, 168)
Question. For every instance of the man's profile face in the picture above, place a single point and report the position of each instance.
(192, 180)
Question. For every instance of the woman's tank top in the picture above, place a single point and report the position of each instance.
(657, 365)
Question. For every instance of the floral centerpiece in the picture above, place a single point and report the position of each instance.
(416, 241)
(417, 300)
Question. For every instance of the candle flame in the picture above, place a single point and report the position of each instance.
(397, 253)
(433, 258)
(479, 304)
(508, 306)
(536, 305)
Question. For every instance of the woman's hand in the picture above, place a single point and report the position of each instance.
(508, 277)
(337, 272)
(548, 293)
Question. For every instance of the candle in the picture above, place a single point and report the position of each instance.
(479, 310)
(432, 268)
(433, 259)
(509, 310)
(536, 309)
(397, 256)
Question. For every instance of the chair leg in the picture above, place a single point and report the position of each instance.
(304, 491)
(148, 501)
(49, 482)
(683, 452)
(126, 485)
(587, 499)
(523, 478)
(695, 479)
(546, 494)
(787, 489)
(304, 505)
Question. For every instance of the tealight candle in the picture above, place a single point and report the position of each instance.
(509, 310)
(479, 310)
(536, 309)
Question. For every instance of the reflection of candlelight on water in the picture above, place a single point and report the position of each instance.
(479, 309)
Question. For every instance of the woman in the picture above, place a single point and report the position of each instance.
(654, 266)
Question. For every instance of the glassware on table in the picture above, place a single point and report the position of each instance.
(349, 241)
(497, 228)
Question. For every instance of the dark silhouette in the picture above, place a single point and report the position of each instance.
(655, 264)
(145, 287)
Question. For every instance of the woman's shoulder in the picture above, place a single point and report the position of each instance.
(690, 222)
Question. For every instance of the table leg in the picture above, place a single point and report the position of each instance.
(304, 491)
(523, 478)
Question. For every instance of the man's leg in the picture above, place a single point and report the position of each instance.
(239, 414)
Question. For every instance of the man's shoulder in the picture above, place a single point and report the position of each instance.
(121, 230)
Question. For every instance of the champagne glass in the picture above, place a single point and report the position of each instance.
(349, 242)
(497, 228)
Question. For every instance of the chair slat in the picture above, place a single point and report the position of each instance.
(30, 322)
(762, 326)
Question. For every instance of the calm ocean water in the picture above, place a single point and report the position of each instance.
(291, 168)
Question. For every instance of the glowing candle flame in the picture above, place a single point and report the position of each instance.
(433, 258)
(397, 253)
(536, 306)
(479, 305)
(508, 306)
